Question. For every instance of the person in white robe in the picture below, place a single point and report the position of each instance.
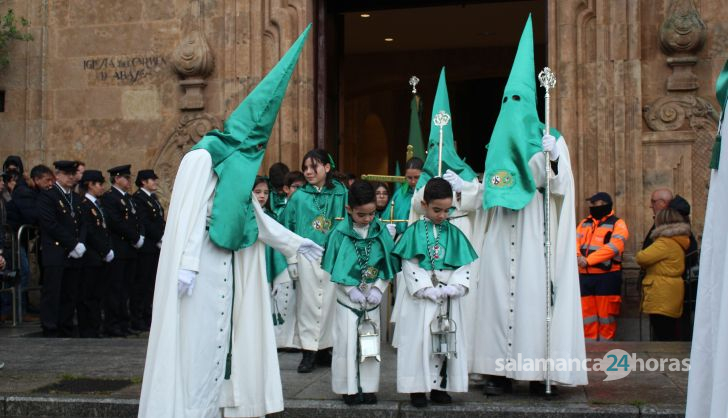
(708, 381)
(211, 349)
(511, 297)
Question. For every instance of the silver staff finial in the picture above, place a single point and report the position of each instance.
(441, 119)
(547, 78)
(413, 82)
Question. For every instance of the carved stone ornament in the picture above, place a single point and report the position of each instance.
(670, 113)
(682, 34)
(190, 128)
(193, 61)
(683, 31)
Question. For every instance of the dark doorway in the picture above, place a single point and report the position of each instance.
(362, 78)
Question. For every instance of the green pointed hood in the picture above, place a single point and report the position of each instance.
(415, 128)
(450, 158)
(517, 134)
(238, 151)
(721, 93)
(397, 172)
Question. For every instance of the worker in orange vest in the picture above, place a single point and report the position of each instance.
(600, 240)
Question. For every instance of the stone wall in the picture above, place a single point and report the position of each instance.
(111, 82)
(636, 98)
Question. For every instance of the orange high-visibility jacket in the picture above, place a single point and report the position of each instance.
(602, 243)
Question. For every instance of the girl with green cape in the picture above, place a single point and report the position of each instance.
(312, 213)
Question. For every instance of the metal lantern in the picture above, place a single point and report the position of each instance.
(368, 339)
(443, 331)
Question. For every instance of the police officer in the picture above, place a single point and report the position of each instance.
(151, 216)
(98, 255)
(62, 239)
(127, 236)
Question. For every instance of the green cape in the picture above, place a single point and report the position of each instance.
(721, 93)
(277, 202)
(516, 136)
(238, 150)
(413, 244)
(402, 203)
(300, 215)
(341, 261)
(450, 158)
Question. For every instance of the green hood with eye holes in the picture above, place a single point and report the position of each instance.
(516, 136)
(238, 151)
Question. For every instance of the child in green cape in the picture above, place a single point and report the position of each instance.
(436, 258)
(312, 212)
(359, 261)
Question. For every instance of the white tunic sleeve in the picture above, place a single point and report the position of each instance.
(415, 277)
(196, 163)
(276, 235)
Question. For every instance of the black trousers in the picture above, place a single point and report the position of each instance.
(664, 328)
(92, 289)
(140, 301)
(116, 310)
(59, 297)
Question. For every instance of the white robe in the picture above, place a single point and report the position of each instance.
(708, 378)
(285, 302)
(188, 341)
(344, 356)
(511, 297)
(315, 300)
(418, 370)
(464, 217)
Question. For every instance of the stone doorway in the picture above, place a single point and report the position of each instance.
(368, 50)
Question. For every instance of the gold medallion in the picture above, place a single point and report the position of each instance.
(321, 224)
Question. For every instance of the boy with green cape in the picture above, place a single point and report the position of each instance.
(212, 349)
(511, 296)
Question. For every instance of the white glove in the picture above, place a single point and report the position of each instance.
(392, 229)
(109, 256)
(78, 251)
(159, 245)
(432, 293)
(356, 296)
(549, 145)
(310, 250)
(140, 242)
(453, 290)
(455, 181)
(375, 296)
(185, 282)
(293, 271)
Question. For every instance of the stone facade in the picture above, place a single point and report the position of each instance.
(138, 81)
(110, 82)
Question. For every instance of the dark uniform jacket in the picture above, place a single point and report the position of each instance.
(122, 221)
(60, 225)
(151, 216)
(98, 242)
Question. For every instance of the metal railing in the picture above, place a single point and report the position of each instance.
(11, 277)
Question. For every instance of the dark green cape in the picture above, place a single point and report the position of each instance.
(301, 212)
(413, 244)
(340, 258)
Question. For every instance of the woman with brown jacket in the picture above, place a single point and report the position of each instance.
(663, 288)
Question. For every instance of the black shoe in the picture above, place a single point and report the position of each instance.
(440, 397)
(497, 385)
(307, 362)
(352, 399)
(369, 398)
(50, 333)
(139, 326)
(539, 389)
(130, 331)
(418, 400)
(323, 358)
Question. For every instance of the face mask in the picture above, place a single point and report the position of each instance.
(598, 212)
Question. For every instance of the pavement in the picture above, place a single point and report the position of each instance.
(102, 378)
